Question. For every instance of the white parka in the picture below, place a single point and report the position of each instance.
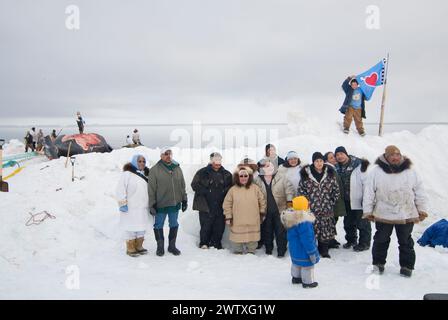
(292, 174)
(394, 197)
(358, 180)
(132, 191)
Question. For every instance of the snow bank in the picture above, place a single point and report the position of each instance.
(40, 261)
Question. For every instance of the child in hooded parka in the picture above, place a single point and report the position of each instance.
(302, 243)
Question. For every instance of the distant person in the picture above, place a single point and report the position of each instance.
(129, 140)
(132, 196)
(53, 135)
(80, 122)
(394, 198)
(354, 105)
(211, 185)
(298, 221)
(40, 140)
(167, 195)
(271, 155)
(244, 208)
(30, 140)
(136, 138)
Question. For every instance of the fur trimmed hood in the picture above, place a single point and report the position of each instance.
(364, 165)
(291, 218)
(129, 167)
(305, 172)
(387, 168)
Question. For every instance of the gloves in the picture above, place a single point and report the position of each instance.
(229, 222)
(289, 204)
(369, 217)
(153, 211)
(184, 205)
(124, 208)
(314, 258)
(422, 215)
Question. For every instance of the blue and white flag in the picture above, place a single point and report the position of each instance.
(371, 79)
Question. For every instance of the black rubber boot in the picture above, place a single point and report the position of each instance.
(295, 280)
(334, 244)
(160, 242)
(323, 249)
(172, 241)
(406, 272)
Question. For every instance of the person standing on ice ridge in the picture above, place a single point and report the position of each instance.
(211, 185)
(167, 195)
(318, 184)
(394, 197)
(80, 122)
(244, 208)
(298, 222)
(278, 192)
(339, 208)
(352, 171)
(132, 196)
(353, 106)
(136, 138)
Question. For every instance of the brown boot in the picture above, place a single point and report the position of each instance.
(130, 248)
(139, 246)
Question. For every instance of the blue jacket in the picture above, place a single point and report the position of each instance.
(348, 98)
(435, 235)
(301, 239)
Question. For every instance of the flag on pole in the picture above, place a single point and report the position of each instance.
(372, 78)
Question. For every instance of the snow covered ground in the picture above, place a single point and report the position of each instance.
(43, 261)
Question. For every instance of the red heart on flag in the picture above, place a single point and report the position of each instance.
(372, 79)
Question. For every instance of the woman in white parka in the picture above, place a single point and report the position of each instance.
(132, 196)
(291, 169)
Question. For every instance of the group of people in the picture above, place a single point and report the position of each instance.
(278, 200)
(134, 140)
(34, 141)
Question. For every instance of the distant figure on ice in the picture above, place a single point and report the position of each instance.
(40, 140)
(211, 185)
(244, 208)
(394, 197)
(129, 140)
(167, 195)
(298, 221)
(132, 196)
(30, 140)
(271, 155)
(53, 135)
(353, 106)
(80, 122)
(136, 138)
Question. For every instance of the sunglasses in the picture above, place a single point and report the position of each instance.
(244, 176)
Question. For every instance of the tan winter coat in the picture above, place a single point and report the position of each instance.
(244, 208)
(282, 190)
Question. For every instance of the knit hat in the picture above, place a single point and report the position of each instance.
(390, 150)
(291, 155)
(300, 203)
(340, 149)
(317, 155)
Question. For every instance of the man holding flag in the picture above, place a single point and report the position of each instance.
(359, 89)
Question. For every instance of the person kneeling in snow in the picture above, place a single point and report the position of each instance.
(302, 243)
(132, 196)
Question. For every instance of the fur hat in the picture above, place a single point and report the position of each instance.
(291, 155)
(247, 169)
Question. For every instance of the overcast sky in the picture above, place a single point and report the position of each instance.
(163, 61)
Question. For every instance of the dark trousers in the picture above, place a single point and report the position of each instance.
(352, 223)
(271, 226)
(212, 228)
(381, 242)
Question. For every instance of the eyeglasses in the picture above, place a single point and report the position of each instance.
(244, 176)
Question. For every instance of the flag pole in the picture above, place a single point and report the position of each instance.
(383, 100)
